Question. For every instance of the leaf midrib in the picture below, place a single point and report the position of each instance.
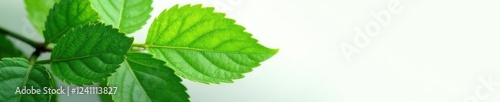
(75, 58)
(120, 15)
(195, 49)
(136, 80)
(28, 73)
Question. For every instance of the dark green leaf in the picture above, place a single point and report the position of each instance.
(13, 73)
(145, 79)
(8, 48)
(66, 15)
(89, 54)
(105, 97)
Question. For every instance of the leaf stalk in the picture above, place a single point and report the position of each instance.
(22, 38)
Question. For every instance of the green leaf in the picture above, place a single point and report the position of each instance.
(145, 79)
(8, 48)
(66, 15)
(54, 97)
(89, 54)
(105, 97)
(38, 11)
(204, 46)
(127, 15)
(14, 75)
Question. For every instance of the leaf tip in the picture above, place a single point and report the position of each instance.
(275, 50)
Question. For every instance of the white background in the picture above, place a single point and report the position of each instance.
(432, 51)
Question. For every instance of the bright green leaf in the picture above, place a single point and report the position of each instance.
(66, 15)
(127, 15)
(8, 48)
(38, 11)
(145, 79)
(204, 46)
(89, 54)
(13, 75)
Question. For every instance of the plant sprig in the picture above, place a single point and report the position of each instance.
(190, 41)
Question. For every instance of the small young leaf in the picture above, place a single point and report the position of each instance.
(127, 15)
(8, 49)
(13, 76)
(38, 11)
(204, 46)
(65, 15)
(145, 79)
(89, 54)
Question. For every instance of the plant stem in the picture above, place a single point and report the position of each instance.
(140, 45)
(32, 60)
(22, 38)
(43, 62)
(34, 57)
(39, 47)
